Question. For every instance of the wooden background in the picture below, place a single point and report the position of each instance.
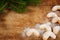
(12, 24)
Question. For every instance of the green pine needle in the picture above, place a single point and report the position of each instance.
(17, 5)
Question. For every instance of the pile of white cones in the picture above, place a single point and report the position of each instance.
(45, 30)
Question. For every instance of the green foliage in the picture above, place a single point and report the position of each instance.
(17, 5)
(2, 5)
(33, 2)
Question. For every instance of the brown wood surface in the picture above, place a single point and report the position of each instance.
(12, 24)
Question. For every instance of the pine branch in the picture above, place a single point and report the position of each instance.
(17, 5)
